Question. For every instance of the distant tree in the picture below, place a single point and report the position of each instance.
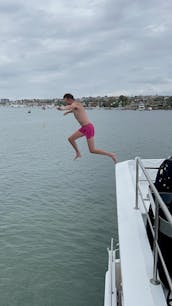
(123, 100)
(169, 102)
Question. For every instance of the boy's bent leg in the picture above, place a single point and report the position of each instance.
(72, 141)
(94, 150)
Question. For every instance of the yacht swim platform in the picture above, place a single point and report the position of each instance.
(133, 280)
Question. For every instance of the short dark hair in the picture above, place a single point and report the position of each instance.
(68, 96)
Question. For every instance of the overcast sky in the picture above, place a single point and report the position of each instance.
(86, 47)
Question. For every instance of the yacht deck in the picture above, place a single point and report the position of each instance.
(135, 252)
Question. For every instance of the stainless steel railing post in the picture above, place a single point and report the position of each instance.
(155, 280)
(137, 182)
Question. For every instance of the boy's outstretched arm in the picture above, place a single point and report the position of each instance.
(68, 107)
(68, 112)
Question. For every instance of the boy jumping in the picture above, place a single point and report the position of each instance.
(87, 128)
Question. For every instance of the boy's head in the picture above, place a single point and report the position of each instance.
(68, 98)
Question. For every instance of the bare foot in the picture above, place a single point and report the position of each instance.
(113, 156)
(77, 156)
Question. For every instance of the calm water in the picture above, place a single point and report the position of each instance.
(57, 215)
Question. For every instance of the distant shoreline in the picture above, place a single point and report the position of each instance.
(118, 102)
(86, 107)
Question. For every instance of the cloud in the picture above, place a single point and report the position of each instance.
(87, 47)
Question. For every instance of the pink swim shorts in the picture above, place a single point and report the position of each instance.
(87, 130)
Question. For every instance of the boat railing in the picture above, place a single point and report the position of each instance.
(111, 295)
(158, 204)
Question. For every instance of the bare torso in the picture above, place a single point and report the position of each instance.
(80, 113)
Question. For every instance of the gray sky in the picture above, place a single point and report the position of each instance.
(86, 47)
